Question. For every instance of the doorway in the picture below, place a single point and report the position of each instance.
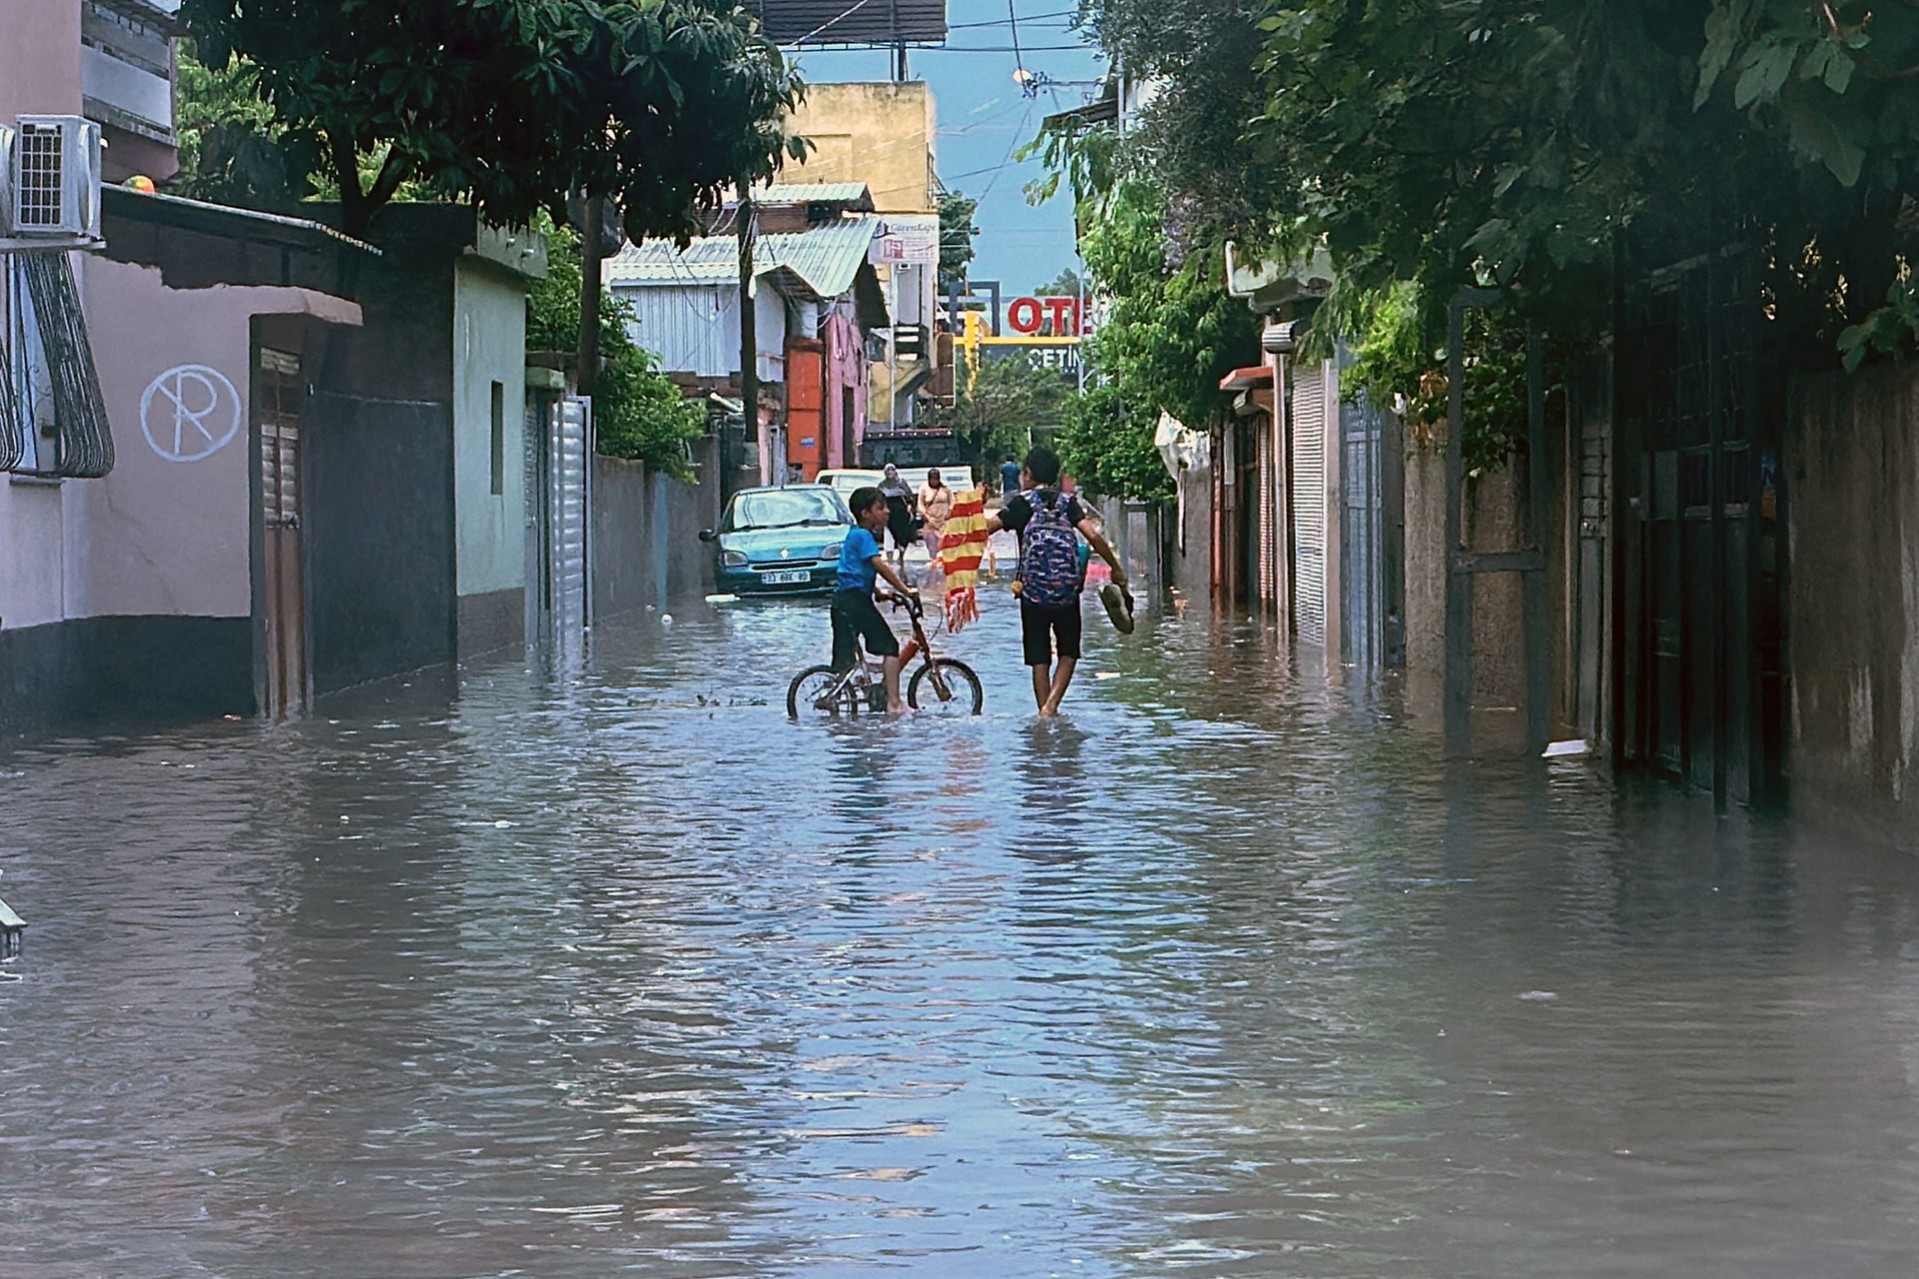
(281, 398)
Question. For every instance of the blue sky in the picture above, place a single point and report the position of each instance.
(984, 119)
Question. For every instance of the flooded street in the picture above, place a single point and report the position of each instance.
(1227, 974)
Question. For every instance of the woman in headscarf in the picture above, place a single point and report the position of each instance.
(899, 511)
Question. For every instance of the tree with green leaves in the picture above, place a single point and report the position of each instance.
(639, 412)
(1169, 334)
(1067, 284)
(1107, 445)
(956, 236)
(999, 409)
(658, 105)
(232, 150)
(1525, 143)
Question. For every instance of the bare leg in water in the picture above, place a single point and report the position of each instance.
(1049, 688)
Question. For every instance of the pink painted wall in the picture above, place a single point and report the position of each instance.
(159, 535)
(40, 58)
(156, 536)
(845, 368)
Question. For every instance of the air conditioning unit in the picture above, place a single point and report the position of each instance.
(54, 177)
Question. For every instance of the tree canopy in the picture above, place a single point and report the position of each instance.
(656, 104)
(999, 408)
(956, 236)
(1525, 143)
(638, 411)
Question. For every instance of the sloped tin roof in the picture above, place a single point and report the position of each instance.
(819, 263)
(849, 193)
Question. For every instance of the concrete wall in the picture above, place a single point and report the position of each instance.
(132, 594)
(1189, 536)
(647, 548)
(879, 133)
(1493, 523)
(168, 532)
(379, 537)
(40, 59)
(1134, 529)
(489, 349)
(1852, 465)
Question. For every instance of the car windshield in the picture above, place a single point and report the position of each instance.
(785, 508)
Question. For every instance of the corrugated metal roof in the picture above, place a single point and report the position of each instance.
(854, 193)
(836, 22)
(819, 263)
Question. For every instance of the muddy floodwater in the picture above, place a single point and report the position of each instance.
(1230, 973)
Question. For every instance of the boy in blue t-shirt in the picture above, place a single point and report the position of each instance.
(855, 616)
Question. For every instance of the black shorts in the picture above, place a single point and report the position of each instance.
(855, 618)
(1040, 625)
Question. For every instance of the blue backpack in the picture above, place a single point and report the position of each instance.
(1049, 551)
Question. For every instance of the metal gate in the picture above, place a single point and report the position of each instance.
(1701, 688)
(1370, 585)
(559, 450)
(1309, 504)
(1267, 501)
(289, 676)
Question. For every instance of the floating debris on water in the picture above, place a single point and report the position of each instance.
(12, 929)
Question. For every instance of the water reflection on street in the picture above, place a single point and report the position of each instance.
(1229, 973)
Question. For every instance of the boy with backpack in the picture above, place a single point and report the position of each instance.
(1049, 524)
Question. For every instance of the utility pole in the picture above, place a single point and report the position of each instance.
(749, 339)
(588, 371)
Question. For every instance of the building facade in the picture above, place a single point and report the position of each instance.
(252, 460)
(816, 299)
(882, 135)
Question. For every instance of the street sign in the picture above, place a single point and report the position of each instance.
(907, 239)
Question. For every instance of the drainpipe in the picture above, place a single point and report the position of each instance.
(749, 344)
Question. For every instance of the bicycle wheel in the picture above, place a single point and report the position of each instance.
(820, 690)
(964, 694)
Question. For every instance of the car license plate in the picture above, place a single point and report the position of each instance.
(789, 578)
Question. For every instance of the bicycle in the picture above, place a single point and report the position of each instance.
(949, 685)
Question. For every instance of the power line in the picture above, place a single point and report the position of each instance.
(1011, 148)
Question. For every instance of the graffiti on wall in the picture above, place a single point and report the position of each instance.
(190, 412)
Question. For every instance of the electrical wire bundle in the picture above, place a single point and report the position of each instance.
(13, 431)
(83, 438)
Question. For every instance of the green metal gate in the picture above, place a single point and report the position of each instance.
(1699, 643)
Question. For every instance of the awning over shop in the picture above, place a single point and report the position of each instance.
(1259, 375)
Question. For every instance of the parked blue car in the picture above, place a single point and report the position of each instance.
(780, 541)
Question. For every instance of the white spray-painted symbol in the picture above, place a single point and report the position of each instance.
(189, 413)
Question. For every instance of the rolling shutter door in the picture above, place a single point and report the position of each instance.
(1309, 504)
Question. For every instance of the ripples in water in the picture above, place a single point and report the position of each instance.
(1230, 974)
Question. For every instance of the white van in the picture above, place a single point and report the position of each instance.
(956, 477)
(845, 481)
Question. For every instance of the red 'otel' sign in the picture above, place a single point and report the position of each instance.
(1029, 315)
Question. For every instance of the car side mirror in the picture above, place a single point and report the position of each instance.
(708, 535)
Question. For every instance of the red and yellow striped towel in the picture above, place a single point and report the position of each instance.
(962, 547)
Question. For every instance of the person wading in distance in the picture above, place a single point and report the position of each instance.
(1050, 524)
